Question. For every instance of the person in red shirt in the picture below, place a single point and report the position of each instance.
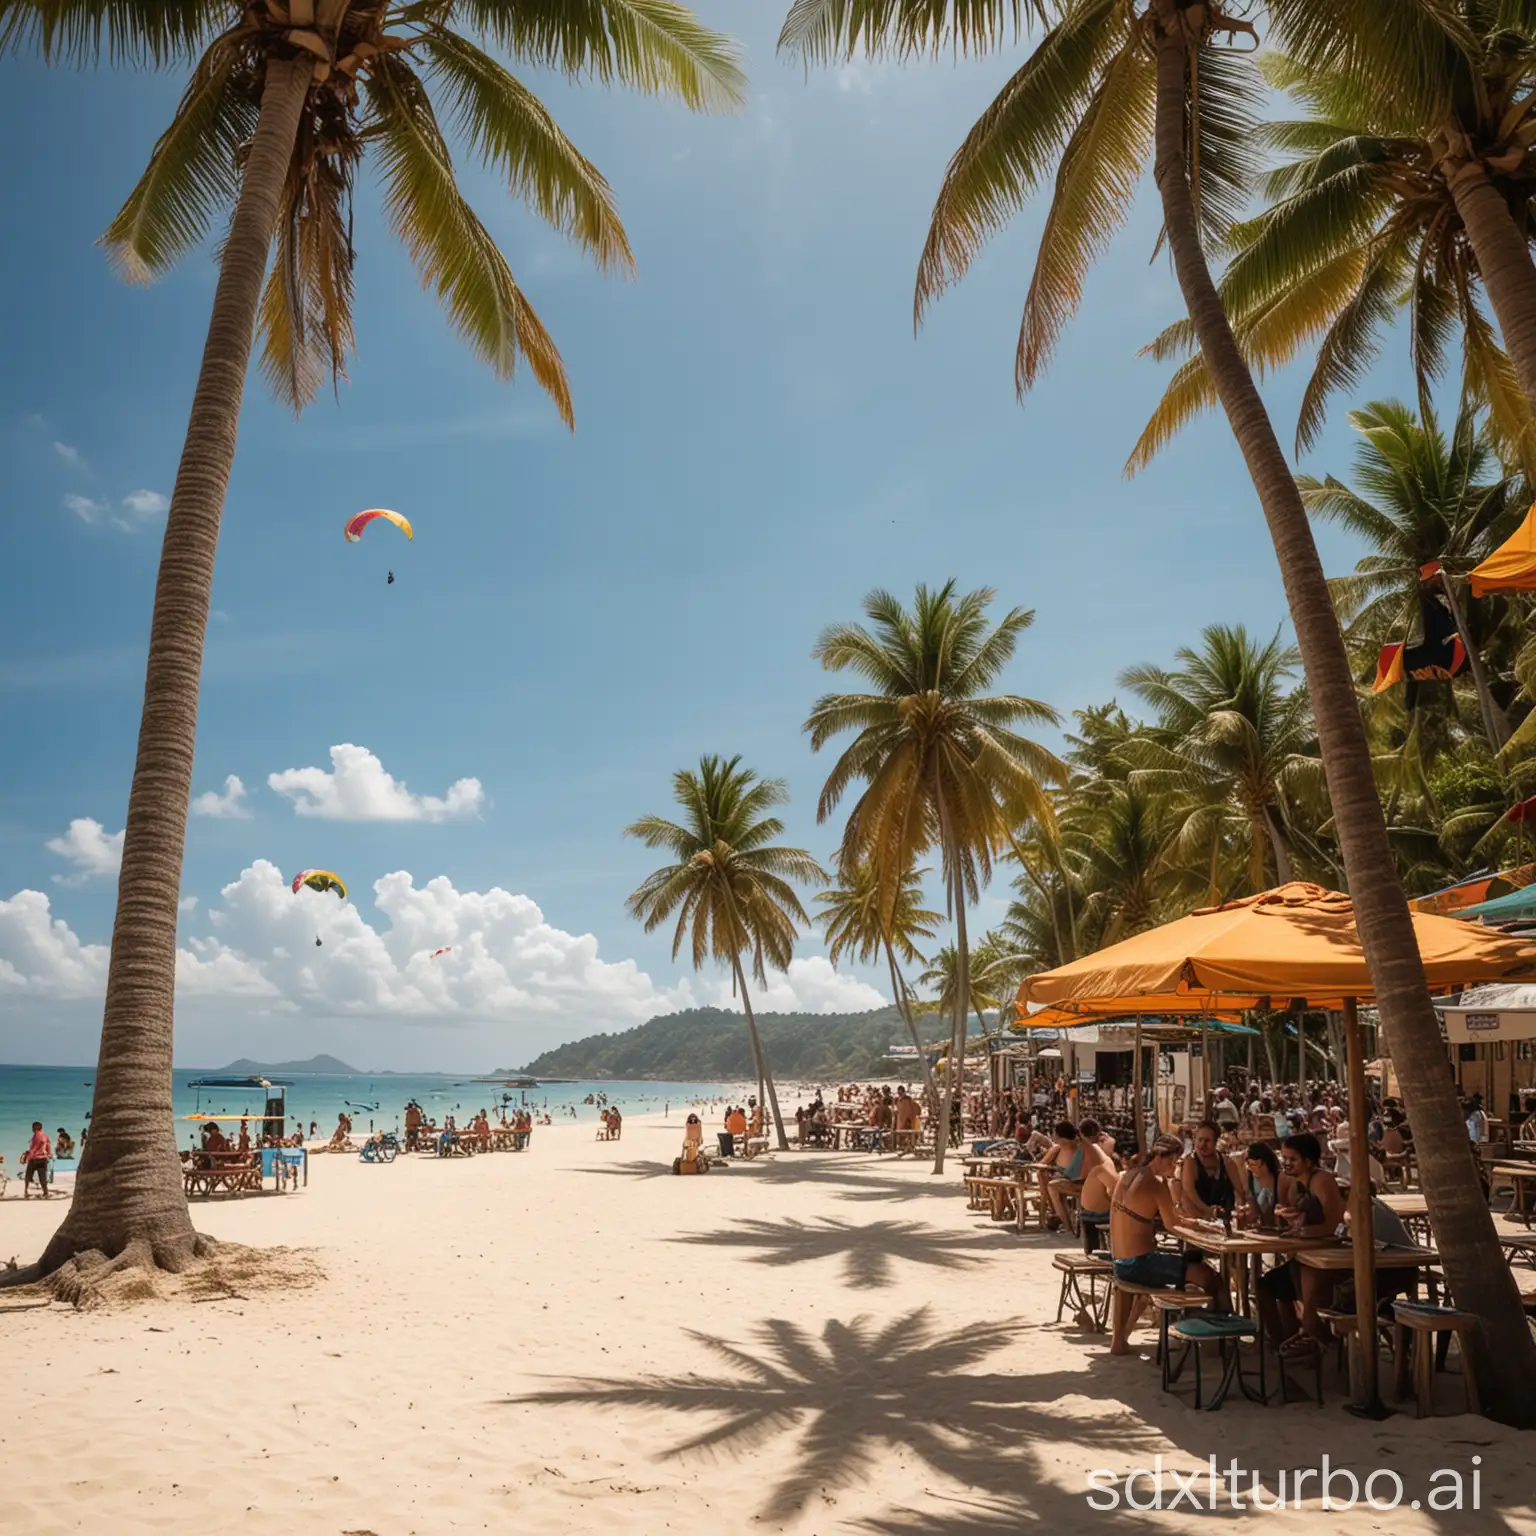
(36, 1157)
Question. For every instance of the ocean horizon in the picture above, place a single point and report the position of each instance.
(61, 1096)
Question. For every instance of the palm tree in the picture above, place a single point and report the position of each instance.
(943, 976)
(940, 759)
(1228, 713)
(1361, 223)
(854, 924)
(1110, 81)
(1421, 499)
(729, 885)
(282, 104)
(1454, 78)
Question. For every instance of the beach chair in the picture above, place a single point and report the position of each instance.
(693, 1160)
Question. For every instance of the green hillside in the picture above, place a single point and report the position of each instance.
(706, 1045)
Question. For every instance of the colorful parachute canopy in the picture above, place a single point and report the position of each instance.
(355, 525)
(320, 880)
(446, 949)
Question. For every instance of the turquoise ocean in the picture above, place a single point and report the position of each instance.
(62, 1096)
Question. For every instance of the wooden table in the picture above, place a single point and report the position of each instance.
(1523, 1178)
(1242, 1249)
(1414, 1211)
(1341, 1259)
(1519, 1248)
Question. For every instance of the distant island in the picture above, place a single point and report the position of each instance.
(328, 1066)
(709, 1045)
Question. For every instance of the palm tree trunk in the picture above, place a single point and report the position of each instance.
(760, 1060)
(1479, 1278)
(129, 1203)
(1495, 724)
(1285, 870)
(1503, 262)
(899, 989)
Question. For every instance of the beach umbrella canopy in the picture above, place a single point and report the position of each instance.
(1295, 943)
(1512, 566)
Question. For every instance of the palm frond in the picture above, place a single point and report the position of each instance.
(136, 33)
(450, 247)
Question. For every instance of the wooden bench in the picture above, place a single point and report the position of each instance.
(1092, 1310)
(230, 1178)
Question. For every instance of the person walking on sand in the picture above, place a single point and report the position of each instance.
(36, 1157)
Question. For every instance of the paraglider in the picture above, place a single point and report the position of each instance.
(320, 880)
(391, 580)
(355, 525)
(447, 948)
(317, 941)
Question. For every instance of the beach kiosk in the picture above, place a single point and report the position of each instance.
(265, 1107)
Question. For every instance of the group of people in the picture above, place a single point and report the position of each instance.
(613, 1123)
(1211, 1177)
(893, 1117)
(742, 1127)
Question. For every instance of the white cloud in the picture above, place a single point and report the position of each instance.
(511, 979)
(70, 454)
(146, 503)
(811, 985)
(358, 789)
(41, 957)
(505, 961)
(87, 510)
(855, 77)
(90, 848)
(225, 807)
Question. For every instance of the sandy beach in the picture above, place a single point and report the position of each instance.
(572, 1338)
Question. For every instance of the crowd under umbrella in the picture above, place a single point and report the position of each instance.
(1295, 945)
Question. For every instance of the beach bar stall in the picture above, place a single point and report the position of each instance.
(1491, 1034)
(285, 1166)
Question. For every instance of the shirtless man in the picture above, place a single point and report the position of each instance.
(909, 1116)
(1065, 1167)
(1141, 1199)
(1094, 1201)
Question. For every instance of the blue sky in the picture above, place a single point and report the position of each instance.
(760, 441)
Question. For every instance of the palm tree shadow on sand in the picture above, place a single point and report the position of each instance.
(871, 1253)
(860, 1388)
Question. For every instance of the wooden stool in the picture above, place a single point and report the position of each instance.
(1167, 1301)
(1425, 1323)
(1074, 1269)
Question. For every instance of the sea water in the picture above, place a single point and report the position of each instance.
(61, 1096)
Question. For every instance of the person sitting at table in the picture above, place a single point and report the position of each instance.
(1206, 1185)
(908, 1115)
(1061, 1171)
(1264, 1186)
(63, 1144)
(1314, 1208)
(1034, 1141)
(1093, 1203)
(1094, 1135)
(1142, 1198)
(244, 1142)
(214, 1140)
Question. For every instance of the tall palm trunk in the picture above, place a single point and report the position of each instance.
(1280, 844)
(954, 1077)
(129, 1203)
(1495, 722)
(1503, 262)
(760, 1060)
(904, 1003)
(1478, 1276)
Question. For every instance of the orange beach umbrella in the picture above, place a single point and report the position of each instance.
(1512, 566)
(1297, 942)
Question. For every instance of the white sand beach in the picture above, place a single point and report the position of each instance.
(810, 1343)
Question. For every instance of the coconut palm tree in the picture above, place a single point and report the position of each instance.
(729, 886)
(940, 760)
(1229, 715)
(1420, 499)
(942, 976)
(855, 924)
(285, 100)
(1361, 224)
(1455, 76)
(1110, 81)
